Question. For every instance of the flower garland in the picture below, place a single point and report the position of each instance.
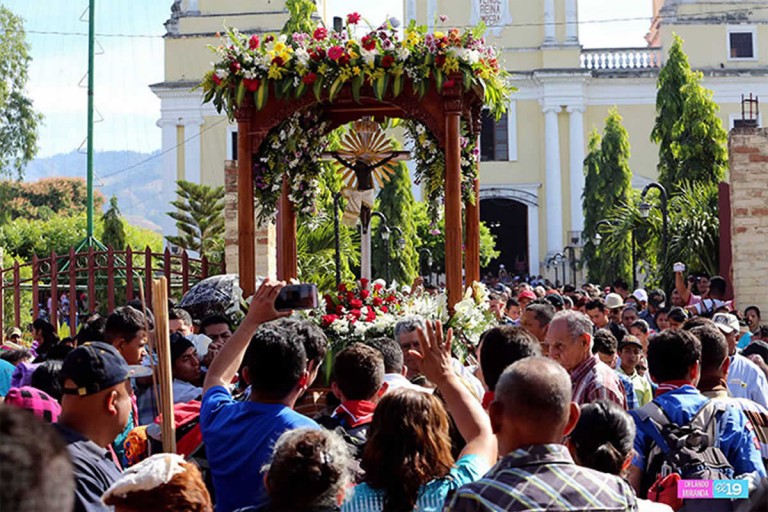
(325, 61)
(291, 149)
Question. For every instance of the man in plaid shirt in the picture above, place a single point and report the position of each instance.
(531, 413)
(570, 344)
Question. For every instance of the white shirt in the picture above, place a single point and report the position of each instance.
(185, 392)
(747, 380)
(396, 381)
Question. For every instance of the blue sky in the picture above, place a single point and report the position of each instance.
(129, 64)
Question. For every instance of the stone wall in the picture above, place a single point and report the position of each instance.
(748, 148)
(266, 247)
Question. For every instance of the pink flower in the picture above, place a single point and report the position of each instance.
(335, 52)
(320, 34)
(353, 18)
(253, 43)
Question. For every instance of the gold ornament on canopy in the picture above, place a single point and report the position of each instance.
(366, 142)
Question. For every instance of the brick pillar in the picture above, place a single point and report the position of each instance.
(748, 149)
(266, 262)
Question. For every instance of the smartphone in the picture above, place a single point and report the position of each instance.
(679, 267)
(297, 296)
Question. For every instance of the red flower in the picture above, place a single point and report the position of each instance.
(344, 60)
(317, 54)
(342, 287)
(234, 66)
(329, 319)
(309, 78)
(253, 42)
(278, 61)
(320, 34)
(364, 294)
(355, 313)
(378, 301)
(387, 61)
(339, 309)
(252, 84)
(356, 303)
(440, 60)
(216, 79)
(371, 316)
(368, 43)
(364, 283)
(335, 52)
(350, 295)
(384, 309)
(377, 287)
(391, 299)
(269, 39)
(353, 18)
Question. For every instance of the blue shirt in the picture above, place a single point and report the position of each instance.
(747, 380)
(629, 389)
(737, 441)
(239, 438)
(431, 496)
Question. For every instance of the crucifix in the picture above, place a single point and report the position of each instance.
(366, 159)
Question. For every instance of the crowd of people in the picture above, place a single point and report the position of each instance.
(579, 399)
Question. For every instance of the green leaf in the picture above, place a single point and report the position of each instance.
(357, 84)
(380, 87)
(240, 93)
(300, 90)
(261, 95)
(439, 79)
(397, 85)
(286, 85)
(335, 88)
(318, 87)
(467, 79)
(421, 88)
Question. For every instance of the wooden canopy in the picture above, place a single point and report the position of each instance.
(440, 112)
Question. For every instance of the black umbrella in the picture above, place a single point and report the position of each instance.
(216, 295)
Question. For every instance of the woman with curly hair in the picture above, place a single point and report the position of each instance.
(407, 460)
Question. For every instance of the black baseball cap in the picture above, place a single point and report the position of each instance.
(657, 298)
(630, 340)
(96, 366)
(179, 345)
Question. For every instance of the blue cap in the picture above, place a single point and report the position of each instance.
(96, 366)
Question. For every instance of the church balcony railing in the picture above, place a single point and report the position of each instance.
(621, 59)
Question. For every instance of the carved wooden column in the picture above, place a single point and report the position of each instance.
(246, 236)
(453, 260)
(287, 259)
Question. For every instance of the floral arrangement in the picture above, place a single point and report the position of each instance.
(430, 164)
(292, 149)
(325, 61)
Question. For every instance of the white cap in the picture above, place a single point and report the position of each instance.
(613, 301)
(640, 295)
(726, 322)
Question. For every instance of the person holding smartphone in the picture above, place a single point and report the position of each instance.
(712, 292)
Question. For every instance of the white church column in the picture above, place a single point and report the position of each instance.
(170, 170)
(192, 150)
(533, 241)
(571, 22)
(549, 22)
(577, 166)
(553, 181)
(410, 11)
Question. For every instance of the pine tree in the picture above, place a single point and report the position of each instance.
(608, 183)
(690, 136)
(199, 219)
(114, 227)
(396, 202)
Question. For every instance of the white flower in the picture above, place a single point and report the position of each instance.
(403, 54)
(302, 56)
(368, 56)
(222, 73)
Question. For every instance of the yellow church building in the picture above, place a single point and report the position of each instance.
(532, 160)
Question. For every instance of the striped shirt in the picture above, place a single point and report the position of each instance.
(756, 413)
(543, 477)
(594, 380)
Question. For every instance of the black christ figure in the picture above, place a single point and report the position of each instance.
(364, 174)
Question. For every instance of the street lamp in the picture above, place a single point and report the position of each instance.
(597, 239)
(429, 262)
(645, 210)
(571, 251)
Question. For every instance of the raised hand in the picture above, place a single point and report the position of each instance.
(435, 353)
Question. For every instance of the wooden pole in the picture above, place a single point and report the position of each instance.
(287, 259)
(162, 337)
(246, 223)
(472, 221)
(453, 263)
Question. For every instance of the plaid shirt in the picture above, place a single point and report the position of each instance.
(543, 477)
(594, 380)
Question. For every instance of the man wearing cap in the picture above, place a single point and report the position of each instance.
(526, 297)
(607, 314)
(13, 338)
(631, 350)
(185, 368)
(95, 408)
(745, 379)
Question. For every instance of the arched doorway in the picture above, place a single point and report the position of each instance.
(508, 221)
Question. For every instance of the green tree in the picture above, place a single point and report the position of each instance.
(18, 119)
(114, 227)
(691, 139)
(592, 196)
(43, 198)
(300, 19)
(199, 218)
(608, 183)
(396, 202)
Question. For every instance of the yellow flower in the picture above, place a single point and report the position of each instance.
(275, 72)
(356, 70)
(439, 35)
(413, 38)
(397, 69)
(451, 65)
(322, 68)
(353, 54)
(279, 47)
(375, 74)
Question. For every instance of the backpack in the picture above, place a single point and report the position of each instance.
(684, 452)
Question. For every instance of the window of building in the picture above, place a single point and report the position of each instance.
(494, 138)
(741, 43)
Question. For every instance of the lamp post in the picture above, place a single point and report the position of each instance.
(429, 263)
(571, 251)
(598, 238)
(549, 265)
(645, 211)
(336, 237)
